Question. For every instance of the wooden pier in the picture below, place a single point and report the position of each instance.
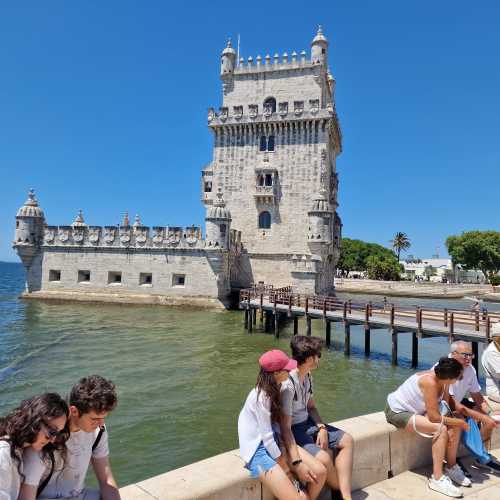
(273, 305)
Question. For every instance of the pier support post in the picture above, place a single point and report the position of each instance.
(347, 339)
(394, 354)
(475, 351)
(276, 324)
(328, 333)
(414, 350)
(367, 329)
(261, 311)
(250, 321)
(255, 317)
(245, 324)
(295, 325)
(308, 325)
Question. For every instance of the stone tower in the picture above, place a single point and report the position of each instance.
(218, 224)
(276, 140)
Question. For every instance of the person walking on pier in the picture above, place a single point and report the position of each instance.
(258, 424)
(39, 423)
(469, 385)
(419, 406)
(90, 402)
(302, 425)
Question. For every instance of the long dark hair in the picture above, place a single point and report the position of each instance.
(22, 425)
(267, 383)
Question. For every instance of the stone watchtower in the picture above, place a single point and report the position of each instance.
(276, 140)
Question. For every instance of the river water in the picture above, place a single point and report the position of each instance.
(182, 375)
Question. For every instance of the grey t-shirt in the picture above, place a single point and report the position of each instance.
(294, 397)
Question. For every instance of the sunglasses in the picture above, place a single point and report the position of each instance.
(50, 432)
(466, 355)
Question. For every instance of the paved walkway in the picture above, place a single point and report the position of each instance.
(412, 485)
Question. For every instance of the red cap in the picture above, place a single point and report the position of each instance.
(276, 360)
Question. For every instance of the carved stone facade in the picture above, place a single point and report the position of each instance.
(270, 194)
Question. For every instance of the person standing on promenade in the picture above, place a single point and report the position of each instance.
(257, 423)
(416, 407)
(38, 423)
(90, 402)
(468, 385)
(491, 366)
(302, 425)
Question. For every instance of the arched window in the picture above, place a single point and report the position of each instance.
(271, 101)
(264, 220)
(269, 180)
(223, 230)
(270, 143)
(260, 180)
(263, 143)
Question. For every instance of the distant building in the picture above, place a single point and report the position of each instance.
(270, 193)
(440, 270)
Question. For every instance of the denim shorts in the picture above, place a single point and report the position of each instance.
(260, 462)
(305, 434)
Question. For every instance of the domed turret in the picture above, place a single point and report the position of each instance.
(228, 60)
(320, 219)
(30, 222)
(319, 48)
(218, 222)
(79, 220)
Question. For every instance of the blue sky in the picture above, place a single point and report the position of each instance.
(103, 107)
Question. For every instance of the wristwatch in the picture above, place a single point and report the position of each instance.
(321, 426)
(296, 462)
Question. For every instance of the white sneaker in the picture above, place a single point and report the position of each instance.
(456, 474)
(444, 485)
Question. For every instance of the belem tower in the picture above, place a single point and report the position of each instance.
(270, 194)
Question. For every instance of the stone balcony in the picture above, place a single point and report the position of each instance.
(265, 194)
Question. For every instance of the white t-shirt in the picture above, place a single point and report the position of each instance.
(467, 384)
(67, 481)
(491, 366)
(10, 482)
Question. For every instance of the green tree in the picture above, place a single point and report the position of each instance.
(383, 268)
(476, 250)
(400, 242)
(354, 256)
(429, 271)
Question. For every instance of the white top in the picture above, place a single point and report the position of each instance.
(10, 481)
(491, 366)
(254, 426)
(67, 482)
(408, 397)
(468, 384)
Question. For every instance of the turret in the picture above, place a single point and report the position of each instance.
(228, 60)
(30, 222)
(319, 48)
(320, 220)
(218, 222)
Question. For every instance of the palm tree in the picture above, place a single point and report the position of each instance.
(400, 242)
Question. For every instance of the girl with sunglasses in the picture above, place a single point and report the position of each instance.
(38, 422)
(259, 443)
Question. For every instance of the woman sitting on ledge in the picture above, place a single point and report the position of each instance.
(259, 446)
(419, 406)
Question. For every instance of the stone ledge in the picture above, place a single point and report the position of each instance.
(381, 451)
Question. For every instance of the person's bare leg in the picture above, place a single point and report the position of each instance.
(281, 487)
(326, 458)
(439, 443)
(343, 465)
(452, 448)
(314, 489)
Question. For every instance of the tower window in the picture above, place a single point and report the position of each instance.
(264, 220)
(208, 186)
(83, 276)
(223, 230)
(114, 278)
(145, 279)
(179, 280)
(269, 179)
(267, 143)
(54, 275)
(270, 103)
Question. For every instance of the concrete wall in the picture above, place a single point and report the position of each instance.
(380, 452)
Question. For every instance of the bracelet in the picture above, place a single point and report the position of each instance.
(296, 462)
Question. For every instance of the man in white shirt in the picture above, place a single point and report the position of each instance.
(491, 366)
(90, 402)
(468, 385)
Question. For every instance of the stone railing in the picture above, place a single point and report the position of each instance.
(381, 451)
(123, 237)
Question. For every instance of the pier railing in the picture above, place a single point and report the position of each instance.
(474, 325)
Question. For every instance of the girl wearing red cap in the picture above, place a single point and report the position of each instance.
(259, 446)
